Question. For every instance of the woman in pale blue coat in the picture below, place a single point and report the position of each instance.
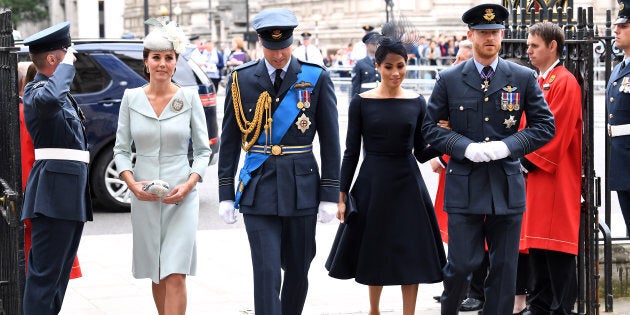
(160, 119)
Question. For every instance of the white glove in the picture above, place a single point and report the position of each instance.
(69, 57)
(327, 211)
(227, 211)
(497, 150)
(476, 152)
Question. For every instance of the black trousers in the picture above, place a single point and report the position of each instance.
(280, 243)
(478, 279)
(624, 204)
(554, 283)
(467, 234)
(54, 246)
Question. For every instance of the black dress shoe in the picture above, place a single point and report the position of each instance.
(437, 298)
(470, 304)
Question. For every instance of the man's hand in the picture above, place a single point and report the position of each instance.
(327, 211)
(69, 57)
(227, 211)
(476, 152)
(497, 150)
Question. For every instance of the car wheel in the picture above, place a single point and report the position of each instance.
(110, 191)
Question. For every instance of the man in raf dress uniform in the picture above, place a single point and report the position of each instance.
(618, 109)
(364, 74)
(57, 196)
(274, 108)
(484, 99)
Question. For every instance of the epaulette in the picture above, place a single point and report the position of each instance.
(311, 63)
(247, 64)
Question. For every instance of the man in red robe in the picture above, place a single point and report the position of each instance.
(551, 222)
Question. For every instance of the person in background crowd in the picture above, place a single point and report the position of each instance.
(214, 64)
(280, 191)
(485, 191)
(308, 52)
(553, 182)
(617, 103)
(365, 76)
(57, 196)
(151, 156)
(394, 240)
(238, 55)
(359, 52)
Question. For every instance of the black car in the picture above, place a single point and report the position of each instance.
(104, 69)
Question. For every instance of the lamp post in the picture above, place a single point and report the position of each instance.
(389, 10)
(316, 18)
(177, 10)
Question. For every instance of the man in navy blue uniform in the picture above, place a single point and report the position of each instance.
(364, 74)
(57, 198)
(274, 108)
(483, 99)
(618, 109)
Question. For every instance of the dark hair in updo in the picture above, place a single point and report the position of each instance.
(386, 45)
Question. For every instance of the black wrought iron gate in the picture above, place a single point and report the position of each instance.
(11, 228)
(582, 40)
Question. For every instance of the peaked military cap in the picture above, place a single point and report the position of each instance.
(275, 27)
(624, 12)
(370, 38)
(486, 17)
(53, 38)
(368, 28)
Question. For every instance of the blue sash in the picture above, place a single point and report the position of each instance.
(283, 118)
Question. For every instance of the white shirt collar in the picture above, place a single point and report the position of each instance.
(272, 71)
(544, 75)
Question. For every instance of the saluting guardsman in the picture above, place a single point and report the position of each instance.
(618, 109)
(484, 99)
(273, 109)
(57, 197)
(364, 74)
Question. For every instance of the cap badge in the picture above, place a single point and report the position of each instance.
(276, 34)
(489, 16)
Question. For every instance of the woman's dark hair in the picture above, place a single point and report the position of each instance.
(386, 46)
(145, 55)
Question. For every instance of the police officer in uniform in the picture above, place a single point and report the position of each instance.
(57, 196)
(364, 74)
(274, 108)
(618, 109)
(484, 99)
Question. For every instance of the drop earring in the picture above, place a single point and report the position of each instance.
(146, 69)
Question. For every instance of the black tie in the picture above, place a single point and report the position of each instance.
(486, 75)
(306, 53)
(278, 81)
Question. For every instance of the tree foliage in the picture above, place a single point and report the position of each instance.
(26, 10)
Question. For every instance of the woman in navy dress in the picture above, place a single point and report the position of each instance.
(394, 239)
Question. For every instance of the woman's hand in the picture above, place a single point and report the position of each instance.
(444, 124)
(341, 207)
(138, 190)
(179, 193)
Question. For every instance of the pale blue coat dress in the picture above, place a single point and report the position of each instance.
(164, 235)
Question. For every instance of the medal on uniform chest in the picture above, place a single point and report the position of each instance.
(307, 99)
(300, 103)
(510, 100)
(177, 105)
(303, 95)
(509, 122)
(485, 85)
(303, 123)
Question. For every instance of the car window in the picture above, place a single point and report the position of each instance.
(89, 77)
(133, 60)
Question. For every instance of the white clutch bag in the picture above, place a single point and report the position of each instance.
(157, 187)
